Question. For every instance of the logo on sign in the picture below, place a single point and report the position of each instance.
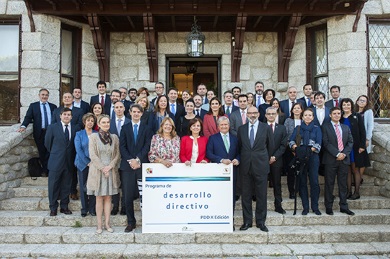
(149, 170)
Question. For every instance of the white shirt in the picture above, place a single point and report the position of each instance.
(297, 122)
(69, 128)
(339, 126)
(320, 113)
(255, 126)
(195, 151)
(290, 105)
(259, 100)
(77, 104)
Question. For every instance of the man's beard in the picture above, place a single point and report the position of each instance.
(259, 92)
(133, 99)
(253, 121)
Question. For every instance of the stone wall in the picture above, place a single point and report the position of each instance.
(15, 151)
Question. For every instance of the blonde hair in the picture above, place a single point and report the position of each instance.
(147, 101)
(101, 116)
(160, 130)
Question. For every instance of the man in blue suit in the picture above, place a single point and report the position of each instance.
(40, 114)
(286, 105)
(77, 113)
(321, 112)
(102, 97)
(228, 107)
(59, 141)
(115, 128)
(134, 144)
(78, 102)
(222, 147)
(198, 106)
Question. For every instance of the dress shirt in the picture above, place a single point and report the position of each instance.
(255, 126)
(259, 100)
(195, 150)
(122, 123)
(48, 111)
(320, 112)
(235, 102)
(227, 137)
(297, 122)
(290, 105)
(339, 126)
(69, 128)
(174, 105)
(77, 104)
(134, 123)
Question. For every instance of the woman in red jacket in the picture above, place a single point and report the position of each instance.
(212, 116)
(193, 146)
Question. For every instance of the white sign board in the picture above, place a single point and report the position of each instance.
(185, 199)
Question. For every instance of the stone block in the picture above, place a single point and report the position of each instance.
(21, 204)
(16, 7)
(90, 68)
(380, 182)
(190, 250)
(101, 251)
(251, 236)
(217, 48)
(4, 168)
(338, 234)
(118, 37)
(3, 6)
(356, 58)
(226, 60)
(245, 72)
(86, 35)
(56, 251)
(141, 251)
(136, 37)
(255, 60)
(386, 6)
(235, 250)
(211, 38)
(354, 248)
(263, 73)
(22, 218)
(381, 247)
(87, 235)
(88, 51)
(127, 73)
(373, 7)
(245, 48)
(261, 47)
(17, 250)
(13, 234)
(166, 238)
(289, 234)
(126, 49)
(141, 48)
(40, 60)
(311, 249)
(143, 73)
(40, 41)
(44, 235)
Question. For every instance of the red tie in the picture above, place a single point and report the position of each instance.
(340, 145)
(102, 101)
(272, 127)
(336, 103)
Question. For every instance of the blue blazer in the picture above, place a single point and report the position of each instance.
(62, 153)
(81, 144)
(84, 106)
(216, 150)
(326, 118)
(77, 116)
(153, 122)
(130, 148)
(113, 129)
(34, 115)
(107, 103)
(284, 106)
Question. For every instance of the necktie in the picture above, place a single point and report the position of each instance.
(225, 141)
(113, 113)
(308, 102)
(336, 102)
(197, 112)
(272, 127)
(258, 101)
(243, 117)
(102, 100)
(339, 139)
(135, 132)
(46, 118)
(118, 127)
(252, 136)
(228, 111)
(66, 134)
(173, 110)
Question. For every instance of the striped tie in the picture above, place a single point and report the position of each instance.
(339, 139)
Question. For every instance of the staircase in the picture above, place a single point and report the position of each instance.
(27, 230)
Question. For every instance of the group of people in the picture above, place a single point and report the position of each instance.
(105, 142)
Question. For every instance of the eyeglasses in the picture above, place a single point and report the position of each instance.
(250, 113)
(272, 114)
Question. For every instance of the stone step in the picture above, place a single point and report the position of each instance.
(365, 202)
(276, 235)
(232, 250)
(367, 189)
(42, 218)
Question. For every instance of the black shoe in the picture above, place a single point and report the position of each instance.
(234, 228)
(83, 215)
(245, 226)
(114, 211)
(349, 195)
(53, 213)
(237, 197)
(66, 211)
(355, 196)
(280, 210)
(92, 214)
(123, 211)
(129, 228)
(347, 211)
(253, 198)
(305, 212)
(317, 212)
(329, 211)
(262, 227)
(292, 196)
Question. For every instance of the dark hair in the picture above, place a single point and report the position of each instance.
(191, 101)
(253, 98)
(242, 95)
(303, 88)
(236, 87)
(187, 91)
(220, 111)
(141, 90)
(367, 107)
(87, 116)
(172, 89)
(93, 106)
(65, 109)
(116, 91)
(101, 83)
(310, 110)
(276, 99)
(333, 109)
(157, 107)
(318, 94)
(192, 122)
(44, 89)
(292, 108)
(77, 87)
(347, 100)
(333, 87)
(159, 83)
(259, 82)
(136, 105)
(132, 89)
(227, 92)
(200, 85)
(266, 92)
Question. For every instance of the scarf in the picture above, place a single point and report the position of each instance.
(306, 130)
(105, 137)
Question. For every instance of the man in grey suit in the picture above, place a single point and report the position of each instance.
(337, 142)
(239, 117)
(59, 141)
(255, 143)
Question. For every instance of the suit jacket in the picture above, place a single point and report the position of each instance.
(304, 102)
(358, 131)
(233, 109)
(107, 102)
(210, 125)
(62, 153)
(130, 148)
(330, 103)
(255, 158)
(202, 113)
(81, 143)
(326, 118)
(34, 115)
(84, 106)
(113, 129)
(284, 106)
(330, 145)
(153, 122)
(280, 144)
(77, 116)
(127, 105)
(262, 110)
(186, 149)
(236, 122)
(180, 113)
(216, 150)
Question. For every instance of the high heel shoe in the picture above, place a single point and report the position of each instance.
(355, 196)
(349, 195)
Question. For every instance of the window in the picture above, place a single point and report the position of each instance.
(379, 68)
(9, 72)
(70, 58)
(317, 58)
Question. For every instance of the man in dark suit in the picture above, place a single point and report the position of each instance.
(115, 128)
(198, 106)
(222, 147)
(102, 97)
(40, 114)
(59, 141)
(337, 142)
(276, 160)
(115, 97)
(236, 92)
(132, 93)
(336, 100)
(175, 108)
(286, 105)
(78, 102)
(307, 90)
(321, 112)
(256, 143)
(126, 103)
(159, 89)
(202, 91)
(258, 97)
(239, 117)
(228, 107)
(134, 147)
